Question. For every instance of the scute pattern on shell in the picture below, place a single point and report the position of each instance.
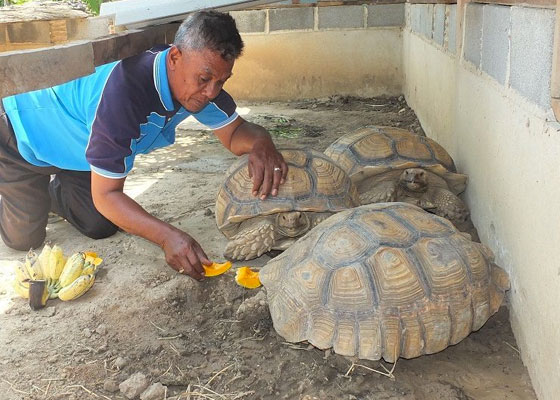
(314, 183)
(387, 147)
(383, 280)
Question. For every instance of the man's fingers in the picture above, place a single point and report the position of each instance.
(258, 174)
(284, 167)
(195, 263)
(276, 179)
(266, 185)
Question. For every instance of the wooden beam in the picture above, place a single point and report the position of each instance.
(432, 1)
(525, 3)
(23, 71)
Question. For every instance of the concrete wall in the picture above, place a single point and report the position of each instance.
(488, 104)
(360, 52)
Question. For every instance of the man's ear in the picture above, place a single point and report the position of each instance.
(174, 57)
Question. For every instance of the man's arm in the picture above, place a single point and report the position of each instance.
(267, 167)
(182, 252)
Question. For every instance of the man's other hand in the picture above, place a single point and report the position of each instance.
(267, 168)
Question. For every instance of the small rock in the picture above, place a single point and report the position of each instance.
(102, 329)
(49, 311)
(402, 110)
(134, 386)
(155, 392)
(401, 98)
(208, 212)
(111, 386)
(86, 332)
(52, 359)
(120, 363)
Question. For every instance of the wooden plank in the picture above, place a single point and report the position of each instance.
(432, 1)
(28, 70)
(555, 80)
(524, 3)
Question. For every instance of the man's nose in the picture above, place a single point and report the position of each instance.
(212, 90)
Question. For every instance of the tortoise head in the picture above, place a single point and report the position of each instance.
(293, 223)
(414, 179)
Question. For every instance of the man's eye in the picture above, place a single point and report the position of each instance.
(204, 80)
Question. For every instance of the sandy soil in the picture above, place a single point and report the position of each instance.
(141, 316)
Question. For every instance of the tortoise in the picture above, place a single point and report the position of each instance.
(392, 164)
(383, 280)
(314, 189)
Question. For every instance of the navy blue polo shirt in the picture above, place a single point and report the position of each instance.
(100, 122)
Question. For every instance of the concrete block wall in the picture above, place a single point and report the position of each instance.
(361, 55)
(488, 104)
(513, 45)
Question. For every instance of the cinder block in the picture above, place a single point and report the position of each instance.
(439, 23)
(422, 19)
(341, 17)
(250, 21)
(291, 18)
(532, 38)
(451, 28)
(495, 41)
(386, 15)
(29, 32)
(473, 33)
(90, 28)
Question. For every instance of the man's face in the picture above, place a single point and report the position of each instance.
(196, 76)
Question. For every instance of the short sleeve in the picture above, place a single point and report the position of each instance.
(219, 112)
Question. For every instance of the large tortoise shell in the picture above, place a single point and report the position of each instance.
(314, 183)
(375, 150)
(383, 280)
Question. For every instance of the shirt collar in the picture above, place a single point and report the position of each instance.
(160, 80)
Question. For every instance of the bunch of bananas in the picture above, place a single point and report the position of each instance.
(51, 275)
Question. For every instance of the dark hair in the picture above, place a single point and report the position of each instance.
(211, 30)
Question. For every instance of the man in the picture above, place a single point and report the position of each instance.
(87, 133)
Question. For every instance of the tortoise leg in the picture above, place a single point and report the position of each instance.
(381, 193)
(448, 205)
(251, 242)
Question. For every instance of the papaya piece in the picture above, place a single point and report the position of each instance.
(216, 269)
(247, 278)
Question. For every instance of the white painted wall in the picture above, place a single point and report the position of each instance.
(512, 156)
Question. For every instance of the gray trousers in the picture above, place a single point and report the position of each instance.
(27, 194)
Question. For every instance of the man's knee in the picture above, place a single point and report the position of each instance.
(99, 228)
(23, 242)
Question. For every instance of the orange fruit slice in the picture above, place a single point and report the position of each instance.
(247, 278)
(216, 269)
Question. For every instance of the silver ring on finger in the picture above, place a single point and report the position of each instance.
(276, 169)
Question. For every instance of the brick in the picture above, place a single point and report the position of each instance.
(495, 41)
(473, 33)
(451, 28)
(341, 17)
(532, 38)
(250, 21)
(422, 19)
(386, 15)
(29, 32)
(291, 18)
(439, 23)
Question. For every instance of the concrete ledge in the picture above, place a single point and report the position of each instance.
(341, 17)
(291, 19)
(385, 15)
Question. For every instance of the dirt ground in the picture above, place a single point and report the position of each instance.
(143, 317)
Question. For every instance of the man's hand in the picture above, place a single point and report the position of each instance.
(184, 254)
(267, 167)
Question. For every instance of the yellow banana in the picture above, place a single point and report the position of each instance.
(43, 260)
(30, 260)
(22, 288)
(76, 288)
(72, 269)
(56, 262)
(20, 271)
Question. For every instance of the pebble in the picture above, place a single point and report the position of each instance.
(86, 332)
(155, 392)
(134, 386)
(101, 329)
(111, 386)
(120, 363)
